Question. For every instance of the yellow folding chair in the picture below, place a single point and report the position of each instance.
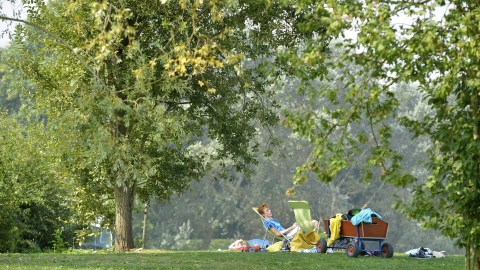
(303, 218)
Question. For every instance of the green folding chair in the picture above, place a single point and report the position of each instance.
(303, 218)
(267, 230)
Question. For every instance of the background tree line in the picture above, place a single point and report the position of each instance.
(32, 196)
(222, 209)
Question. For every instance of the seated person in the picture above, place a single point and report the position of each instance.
(275, 227)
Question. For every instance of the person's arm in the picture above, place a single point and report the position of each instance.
(284, 232)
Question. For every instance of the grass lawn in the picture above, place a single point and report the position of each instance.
(162, 259)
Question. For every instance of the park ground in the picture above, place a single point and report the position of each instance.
(163, 259)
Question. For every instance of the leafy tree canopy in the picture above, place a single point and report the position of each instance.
(130, 84)
(441, 55)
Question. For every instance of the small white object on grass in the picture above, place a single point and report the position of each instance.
(438, 254)
(219, 249)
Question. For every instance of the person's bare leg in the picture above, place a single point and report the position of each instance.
(316, 224)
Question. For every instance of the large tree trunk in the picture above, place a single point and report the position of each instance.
(208, 237)
(123, 219)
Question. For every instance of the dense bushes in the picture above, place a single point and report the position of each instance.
(31, 197)
(9, 233)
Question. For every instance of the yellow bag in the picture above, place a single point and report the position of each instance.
(275, 247)
(301, 241)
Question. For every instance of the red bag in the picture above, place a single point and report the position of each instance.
(251, 249)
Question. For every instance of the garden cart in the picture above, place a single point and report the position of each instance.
(355, 236)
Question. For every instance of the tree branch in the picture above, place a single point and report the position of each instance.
(207, 6)
(61, 41)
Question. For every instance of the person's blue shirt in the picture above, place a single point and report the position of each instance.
(272, 223)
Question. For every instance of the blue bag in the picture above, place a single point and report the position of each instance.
(258, 243)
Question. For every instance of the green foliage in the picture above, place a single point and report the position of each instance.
(9, 235)
(27, 223)
(226, 206)
(130, 84)
(138, 242)
(58, 243)
(165, 237)
(10, 98)
(31, 196)
(14, 90)
(440, 55)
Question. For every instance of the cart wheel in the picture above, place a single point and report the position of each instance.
(322, 246)
(353, 250)
(387, 250)
(362, 253)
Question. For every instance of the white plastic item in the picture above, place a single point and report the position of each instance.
(438, 254)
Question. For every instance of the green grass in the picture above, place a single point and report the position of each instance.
(162, 259)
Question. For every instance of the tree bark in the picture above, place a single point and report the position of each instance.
(208, 237)
(474, 114)
(467, 256)
(145, 214)
(123, 219)
(476, 257)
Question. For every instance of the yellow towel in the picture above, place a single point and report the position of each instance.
(313, 237)
(303, 241)
(335, 224)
